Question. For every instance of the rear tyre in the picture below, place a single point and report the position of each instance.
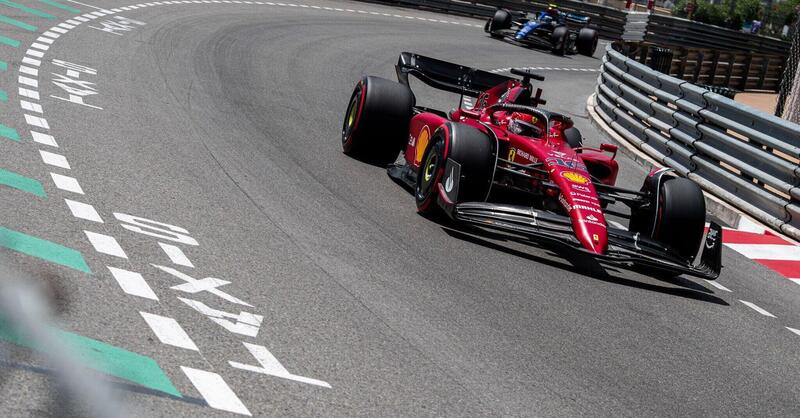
(375, 127)
(681, 216)
(500, 20)
(586, 43)
(559, 40)
(473, 150)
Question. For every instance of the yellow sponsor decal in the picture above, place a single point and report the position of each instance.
(575, 177)
(422, 143)
(512, 152)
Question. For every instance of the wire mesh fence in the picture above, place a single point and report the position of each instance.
(788, 105)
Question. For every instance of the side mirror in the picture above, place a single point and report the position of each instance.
(610, 148)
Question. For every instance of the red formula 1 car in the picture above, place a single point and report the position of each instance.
(507, 165)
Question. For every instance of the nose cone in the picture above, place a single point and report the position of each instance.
(592, 235)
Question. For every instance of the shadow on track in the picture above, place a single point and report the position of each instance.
(580, 263)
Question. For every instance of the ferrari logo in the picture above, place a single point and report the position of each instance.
(512, 152)
(575, 177)
(422, 143)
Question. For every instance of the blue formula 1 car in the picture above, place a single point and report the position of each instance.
(563, 33)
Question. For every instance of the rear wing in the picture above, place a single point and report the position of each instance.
(578, 19)
(447, 76)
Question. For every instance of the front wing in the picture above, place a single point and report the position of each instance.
(624, 248)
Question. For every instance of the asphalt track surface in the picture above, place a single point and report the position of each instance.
(224, 119)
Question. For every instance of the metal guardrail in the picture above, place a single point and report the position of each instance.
(669, 30)
(746, 157)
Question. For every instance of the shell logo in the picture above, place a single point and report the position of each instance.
(575, 177)
(422, 143)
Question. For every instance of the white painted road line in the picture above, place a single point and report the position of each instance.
(271, 366)
(718, 286)
(176, 255)
(44, 139)
(30, 107)
(756, 308)
(132, 283)
(54, 159)
(169, 331)
(66, 183)
(767, 251)
(29, 70)
(31, 61)
(37, 121)
(83, 211)
(32, 94)
(215, 391)
(105, 244)
(796, 331)
(28, 81)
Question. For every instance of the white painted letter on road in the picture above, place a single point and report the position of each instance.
(246, 323)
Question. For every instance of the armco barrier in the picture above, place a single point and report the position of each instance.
(745, 157)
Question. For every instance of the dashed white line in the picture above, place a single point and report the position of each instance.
(44, 139)
(54, 159)
(31, 61)
(66, 183)
(169, 331)
(132, 283)
(105, 244)
(28, 81)
(756, 308)
(37, 45)
(83, 211)
(31, 94)
(718, 286)
(796, 331)
(51, 34)
(176, 255)
(215, 391)
(37, 121)
(29, 70)
(30, 107)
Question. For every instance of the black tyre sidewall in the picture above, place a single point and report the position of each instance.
(681, 216)
(500, 20)
(559, 40)
(381, 128)
(586, 43)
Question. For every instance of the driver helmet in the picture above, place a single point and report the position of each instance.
(552, 10)
(524, 125)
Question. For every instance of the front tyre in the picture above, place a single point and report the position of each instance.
(586, 43)
(375, 126)
(681, 216)
(559, 40)
(500, 20)
(475, 153)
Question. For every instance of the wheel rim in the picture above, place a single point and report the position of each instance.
(351, 117)
(428, 174)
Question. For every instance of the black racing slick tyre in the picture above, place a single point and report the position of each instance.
(475, 153)
(559, 40)
(500, 20)
(680, 216)
(375, 127)
(586, 43)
